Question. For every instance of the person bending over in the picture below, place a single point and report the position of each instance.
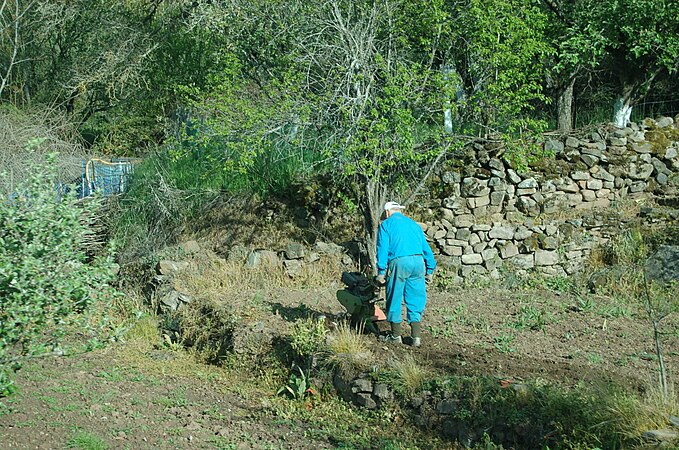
(406, 264)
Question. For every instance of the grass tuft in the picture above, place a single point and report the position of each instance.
(348, 350)
(406, 375)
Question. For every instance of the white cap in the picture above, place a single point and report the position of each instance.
(392, 205)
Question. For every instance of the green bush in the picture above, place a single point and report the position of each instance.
(47, 280)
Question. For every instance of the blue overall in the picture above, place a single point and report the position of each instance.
(402, 249)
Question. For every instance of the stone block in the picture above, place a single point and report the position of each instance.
(595, 184)
(587, 195)
(505, 232)
(471, 259)
(579, 175)
(546, 258)
(464, 221)
(527, 191)
(523, 261)
(508, 250)
(513, 176)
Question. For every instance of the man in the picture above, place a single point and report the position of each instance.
(405, 256)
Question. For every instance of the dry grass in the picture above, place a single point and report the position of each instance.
(348, 350)
(27, 137)
(213, 277)
(407, 376)
(631, 416)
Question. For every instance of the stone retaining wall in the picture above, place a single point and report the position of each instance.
(549, 217)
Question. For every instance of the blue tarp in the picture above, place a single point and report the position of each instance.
(108, 178)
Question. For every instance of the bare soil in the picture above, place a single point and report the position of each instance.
(142, 397)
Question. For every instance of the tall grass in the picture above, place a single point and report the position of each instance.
(173, 188)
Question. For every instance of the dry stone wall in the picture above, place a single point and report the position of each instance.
(548, 218)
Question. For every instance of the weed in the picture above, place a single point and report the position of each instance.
(503, 342)
(307, 337)
(529, 317)
(595, 358)
(298, 386)
(177, 399)
(86, 441)
(585, 303)
(560, 284)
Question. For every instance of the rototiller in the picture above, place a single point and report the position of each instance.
(359, 298)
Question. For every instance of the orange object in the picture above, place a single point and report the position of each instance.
(379, 315)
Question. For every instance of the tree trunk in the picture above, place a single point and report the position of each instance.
(622, 110)
(565, 107)
(375, 197)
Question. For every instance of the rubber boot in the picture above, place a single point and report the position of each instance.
(416, 333)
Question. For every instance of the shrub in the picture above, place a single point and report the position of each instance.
(47, 281)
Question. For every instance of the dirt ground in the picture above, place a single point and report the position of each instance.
(147, 398)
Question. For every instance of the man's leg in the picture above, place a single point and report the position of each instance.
(415, 293)
(396, 284)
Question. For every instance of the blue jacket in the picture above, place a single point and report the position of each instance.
(402, 236)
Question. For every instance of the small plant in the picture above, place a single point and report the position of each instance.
(298, 386)
(585, 303)
(503, 342)
(529, 317)
(307, 337)
(86, 441)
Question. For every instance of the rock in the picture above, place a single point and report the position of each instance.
(572, 142)
(190, 247)
(674, 421)
(523, 261)
(294, 250)
(166, 267)
(451, 177)
(238, 254)
(664, 122)
(663, 265)
(264, 258)
(464, 221)
(174, 300)
(580, 175)
(640, 172)
(329, 249)
(671, 153)
(509, 250)
(546, 258)
(361, 385)
(528, 183)
(589, 160)
(366, 401)
(528, 206)
(382, 392)
(473, 187)
(641, 147)
(471, 259)
(496, 164)
(292, 267)
(554, 146)
(513, 176)
(663, 437)
(504, 232)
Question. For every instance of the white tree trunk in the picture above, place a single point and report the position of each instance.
(622, 111)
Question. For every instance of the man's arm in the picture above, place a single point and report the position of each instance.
(428, 255)
(382, 250)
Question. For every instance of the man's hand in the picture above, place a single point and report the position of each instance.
(428, 278)
(381, 280)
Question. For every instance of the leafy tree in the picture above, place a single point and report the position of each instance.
(46, 280)
(637, 41)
